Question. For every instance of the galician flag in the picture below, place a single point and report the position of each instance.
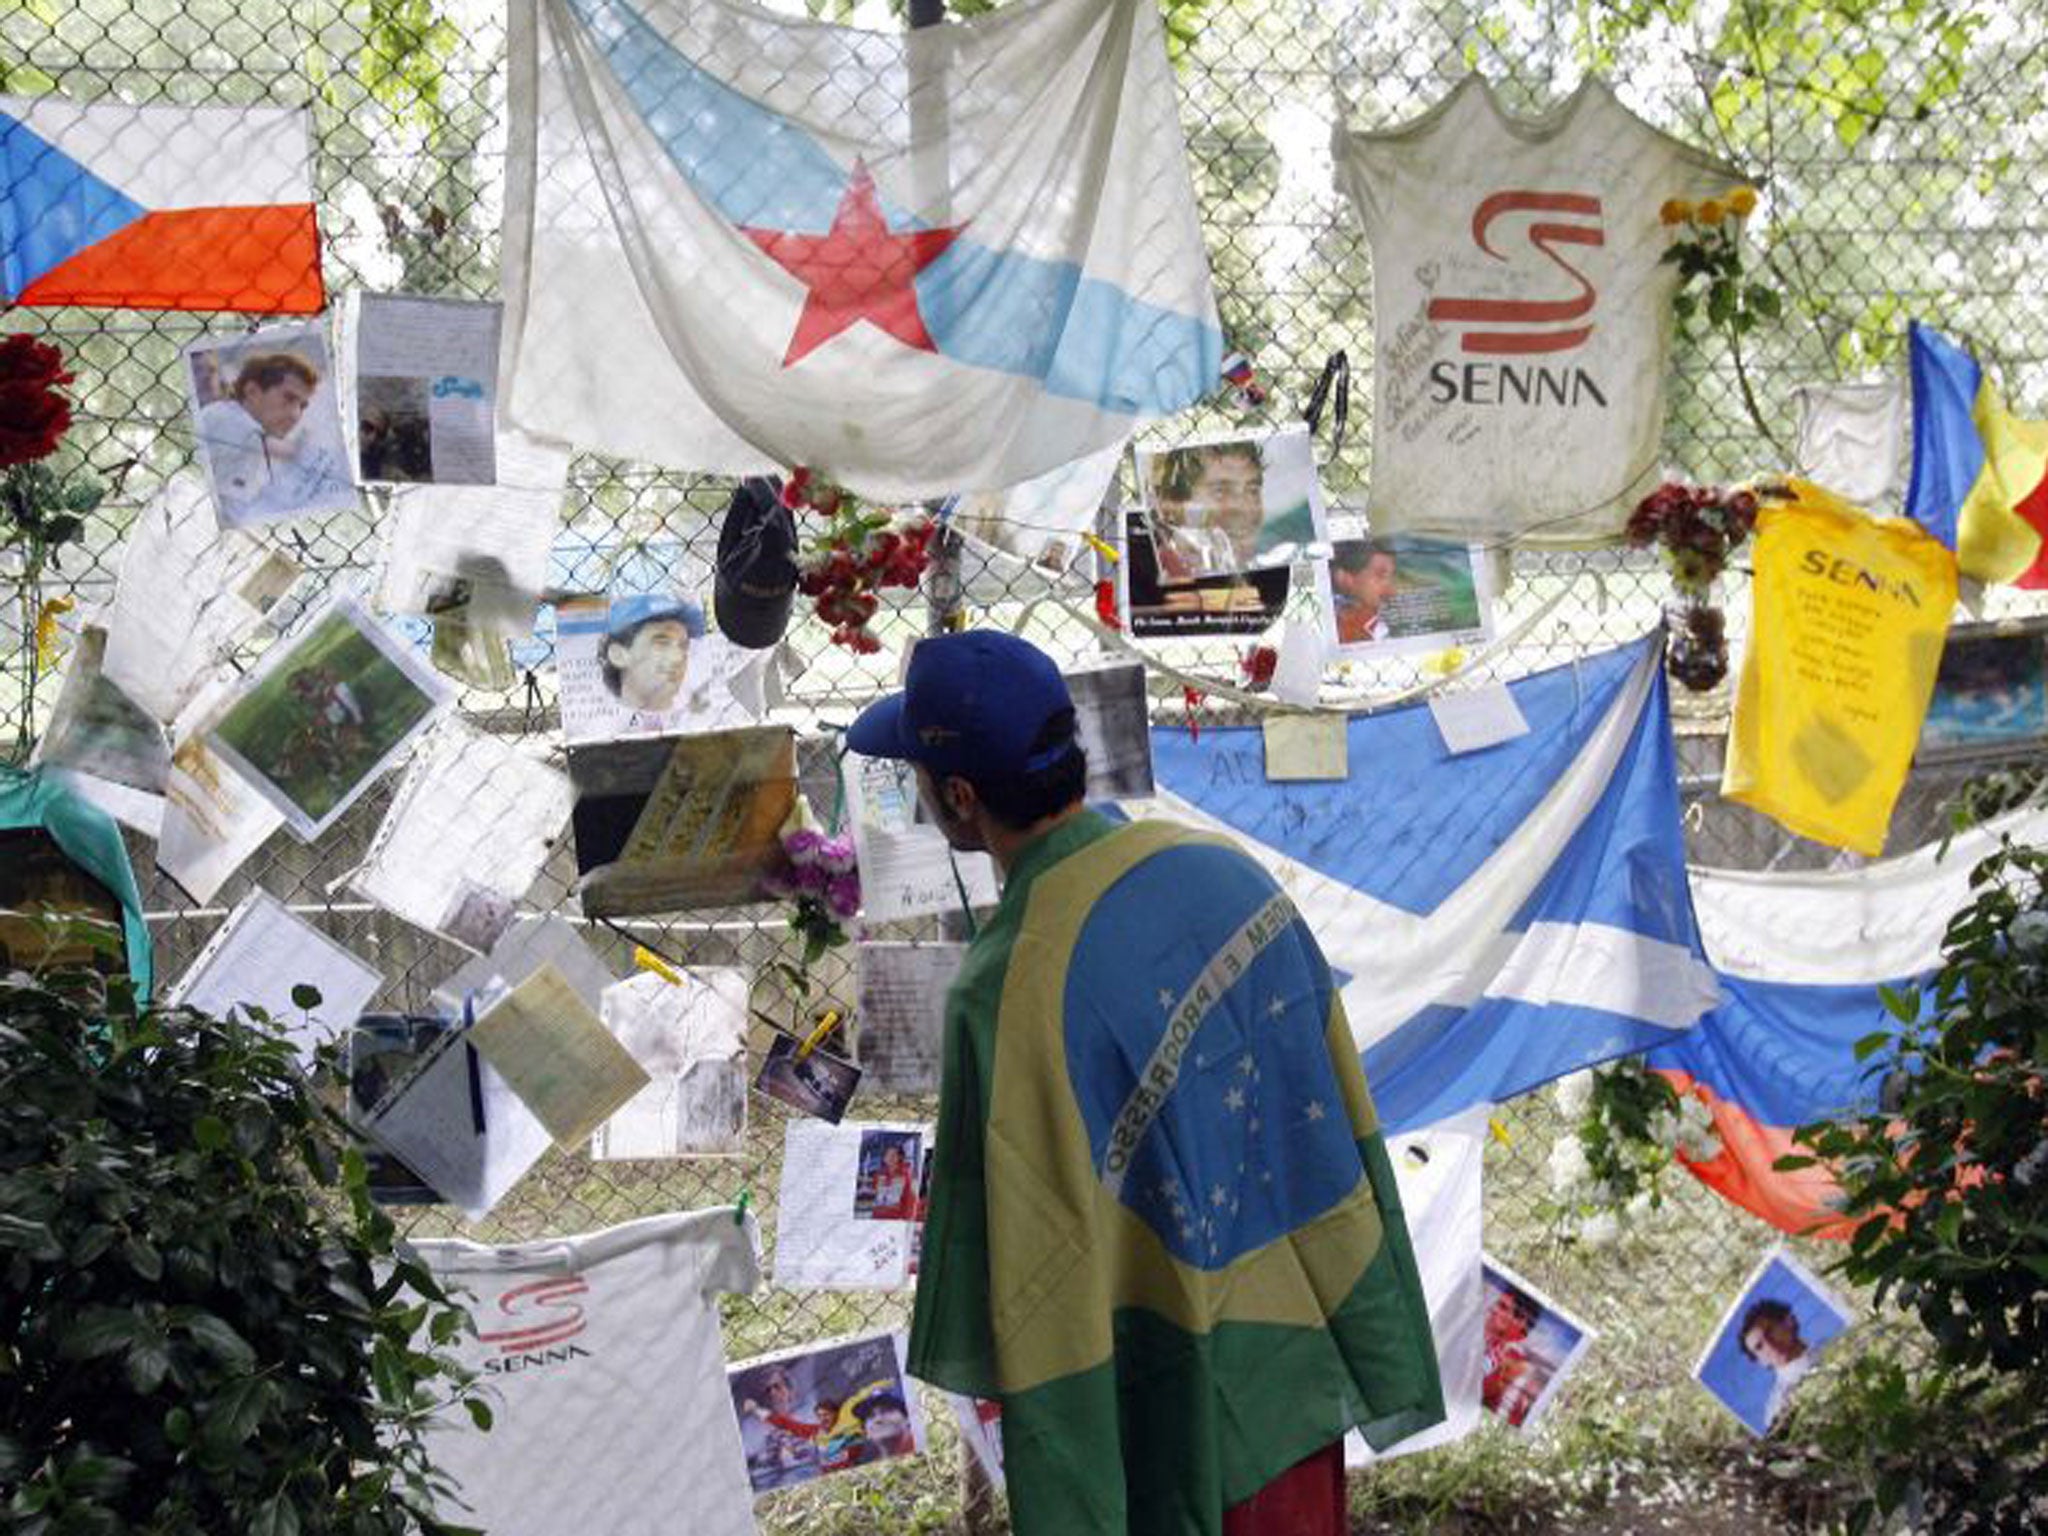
(923, 263)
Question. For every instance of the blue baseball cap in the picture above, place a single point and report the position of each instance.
(972, 705)
(627, 614)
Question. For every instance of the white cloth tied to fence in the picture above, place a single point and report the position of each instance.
(945, 260)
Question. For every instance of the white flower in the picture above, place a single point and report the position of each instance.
(1699, 1146)
(1574, 1094)
(1639, 1203)
(1568, 1165)
(2029, 932)
(1663, 1129)
(1602, 1229)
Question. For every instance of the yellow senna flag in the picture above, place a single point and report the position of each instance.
(1845, 636)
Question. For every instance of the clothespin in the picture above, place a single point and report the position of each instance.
(1500, 1132)
(817, 1036)
(739, 1207)
(1193, 698)
(49, 637)
(1103, 547)
(648, 960)
(1444, 663)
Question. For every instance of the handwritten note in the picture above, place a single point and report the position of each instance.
(906, 869)
(557, 1055)
(820, 1243)
(260, 955)
(427, 367)
(1307, 747)
(690, 1037)
(1478, 718)
(457, 1124)
(476, 816)
(902, 1012)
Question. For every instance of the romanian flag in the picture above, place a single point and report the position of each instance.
(1164, 1231)
(1980, 474)
(197, 208)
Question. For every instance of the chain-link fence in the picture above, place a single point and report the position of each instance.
(1900, 168)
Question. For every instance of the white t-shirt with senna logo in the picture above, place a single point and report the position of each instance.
(1522, 310)
(601, 1359)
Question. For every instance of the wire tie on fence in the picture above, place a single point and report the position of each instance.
(1103, 547)
(739, 1207)
(648, 960)
(817, 1036)
(1500, 1132)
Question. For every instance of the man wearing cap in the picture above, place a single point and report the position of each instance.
(1163, 1231)
(646, 651)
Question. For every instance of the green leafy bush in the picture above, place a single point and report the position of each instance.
(1947, 1184)
(204, 1326)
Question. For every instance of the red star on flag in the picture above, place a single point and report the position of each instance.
(861, 270)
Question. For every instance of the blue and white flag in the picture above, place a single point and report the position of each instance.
(1500, 918)
(927, 262)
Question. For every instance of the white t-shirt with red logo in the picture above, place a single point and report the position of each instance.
(1522, 311)
(603, 1365)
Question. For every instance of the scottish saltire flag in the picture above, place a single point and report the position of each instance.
(1502, 917)
(1163, 1229)
(1980, 474)
(1803, 960)
(157, 207)
(938, 261)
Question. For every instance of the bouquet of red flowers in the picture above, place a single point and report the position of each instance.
(860, 553)
(1697, 526)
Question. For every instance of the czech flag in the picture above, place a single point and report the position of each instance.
(197, 208)
(1980, 474)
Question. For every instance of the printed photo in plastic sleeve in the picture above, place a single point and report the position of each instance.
(266, 419)
(1531, 1345)
(1384, 597)
(642, 665)
(1769, 1340)
(827, 1408)
(1217, 526)
(384, 1048)
(1991, 693)
(329, 709)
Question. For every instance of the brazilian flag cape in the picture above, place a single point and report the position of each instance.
(1163, 1230)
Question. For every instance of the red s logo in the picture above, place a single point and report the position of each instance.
(544, 1312)
(1554, 314)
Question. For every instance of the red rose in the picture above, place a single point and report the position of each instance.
(33, 420)
(1258, 665)
(24, 360)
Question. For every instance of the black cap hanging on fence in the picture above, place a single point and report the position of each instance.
(756, 582)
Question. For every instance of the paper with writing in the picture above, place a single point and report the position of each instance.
(557, 1055)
